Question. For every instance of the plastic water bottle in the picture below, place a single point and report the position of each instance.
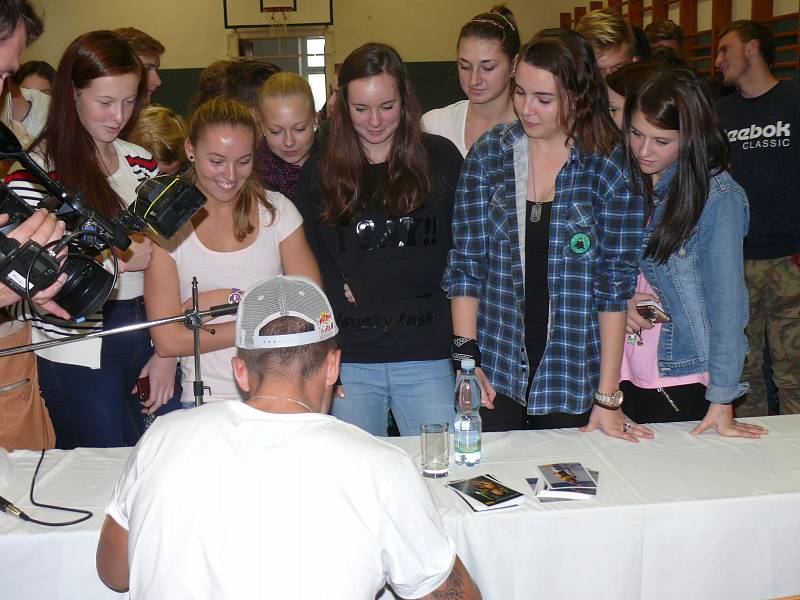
(468, 419)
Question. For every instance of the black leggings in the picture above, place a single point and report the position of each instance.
(652, 406)
(509, 415)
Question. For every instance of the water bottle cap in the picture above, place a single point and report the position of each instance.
(467, 364)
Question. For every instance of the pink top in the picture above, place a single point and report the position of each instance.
(640, 363)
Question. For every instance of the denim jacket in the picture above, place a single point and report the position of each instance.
(595, 236)
(702, 289)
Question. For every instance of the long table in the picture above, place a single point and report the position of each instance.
(679, 516)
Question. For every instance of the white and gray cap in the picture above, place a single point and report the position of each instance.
(283, 296)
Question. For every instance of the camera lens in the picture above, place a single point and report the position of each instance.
(87, 286)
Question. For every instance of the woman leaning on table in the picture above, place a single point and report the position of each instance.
(688, 367)
(377, 205)
(546, 233)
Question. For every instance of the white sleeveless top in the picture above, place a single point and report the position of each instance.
(223, 270)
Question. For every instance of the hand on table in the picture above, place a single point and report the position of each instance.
(720, 418)
(616, 424)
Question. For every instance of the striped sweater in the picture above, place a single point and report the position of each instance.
(135, 166)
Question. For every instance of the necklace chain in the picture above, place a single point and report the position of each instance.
(303, 404)
(536, 208)
(533, 185)
(106, 166)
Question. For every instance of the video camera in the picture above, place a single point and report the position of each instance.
(163, 205)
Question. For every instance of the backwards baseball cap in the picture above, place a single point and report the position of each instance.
(283, 296)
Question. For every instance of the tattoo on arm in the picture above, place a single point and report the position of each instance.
(453, 589)
(457, 587)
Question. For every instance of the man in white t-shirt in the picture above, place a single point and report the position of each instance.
(271, 497)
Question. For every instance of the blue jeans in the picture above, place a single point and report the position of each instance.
(417, 392)
(94, 407)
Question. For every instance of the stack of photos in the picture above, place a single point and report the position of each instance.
(484, 493)
(565, 481)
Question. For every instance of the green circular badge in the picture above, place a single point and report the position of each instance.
(580, 243)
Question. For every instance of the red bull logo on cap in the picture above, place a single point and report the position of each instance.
(325, 322)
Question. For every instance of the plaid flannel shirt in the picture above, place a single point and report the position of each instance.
(595, 237)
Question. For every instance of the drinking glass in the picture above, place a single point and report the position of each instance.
(435, 442)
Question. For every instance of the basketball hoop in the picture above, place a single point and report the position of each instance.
(276, 18)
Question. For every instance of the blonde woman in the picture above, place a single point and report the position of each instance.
(242, 235)
(289, 123)
(163, 133)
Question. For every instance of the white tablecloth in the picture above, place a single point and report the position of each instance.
(677, 517)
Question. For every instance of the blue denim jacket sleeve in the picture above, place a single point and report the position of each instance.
(466, 264)
(621, 222)
(720, 236)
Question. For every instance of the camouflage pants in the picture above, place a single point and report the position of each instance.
(774, 288)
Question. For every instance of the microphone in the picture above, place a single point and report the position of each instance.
(8, 508)
(222, 309)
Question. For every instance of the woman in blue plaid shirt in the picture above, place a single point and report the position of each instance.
(546, 234)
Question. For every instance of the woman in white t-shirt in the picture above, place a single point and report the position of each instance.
(487, 45)
(243, 234)
(97, 92)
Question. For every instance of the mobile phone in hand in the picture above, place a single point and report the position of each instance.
(652, 311)
(143, 389)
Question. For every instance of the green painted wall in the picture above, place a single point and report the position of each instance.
(436, 84)
(177, 88)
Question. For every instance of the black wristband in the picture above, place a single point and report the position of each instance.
(462, 348)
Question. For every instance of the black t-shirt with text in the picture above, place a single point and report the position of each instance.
(393, 266)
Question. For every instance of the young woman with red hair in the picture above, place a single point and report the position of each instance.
(97, 92)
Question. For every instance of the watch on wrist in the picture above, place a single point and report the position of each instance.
(609, 401)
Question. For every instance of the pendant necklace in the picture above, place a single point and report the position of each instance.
(536, 209)
(303, 404)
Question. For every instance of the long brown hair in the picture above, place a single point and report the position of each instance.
(570, 59)
(67, 145)
(678, 100)
(343, 168)
(223, 111)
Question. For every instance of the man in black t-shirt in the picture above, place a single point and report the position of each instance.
(762, 121)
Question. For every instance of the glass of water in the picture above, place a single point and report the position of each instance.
(435, 443)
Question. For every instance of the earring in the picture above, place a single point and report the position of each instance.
(191, 158)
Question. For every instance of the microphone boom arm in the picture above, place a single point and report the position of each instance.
(186, 318)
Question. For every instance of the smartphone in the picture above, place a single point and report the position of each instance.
(652, 311)
(143, 388)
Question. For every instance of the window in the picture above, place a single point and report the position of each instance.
(304, 55)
